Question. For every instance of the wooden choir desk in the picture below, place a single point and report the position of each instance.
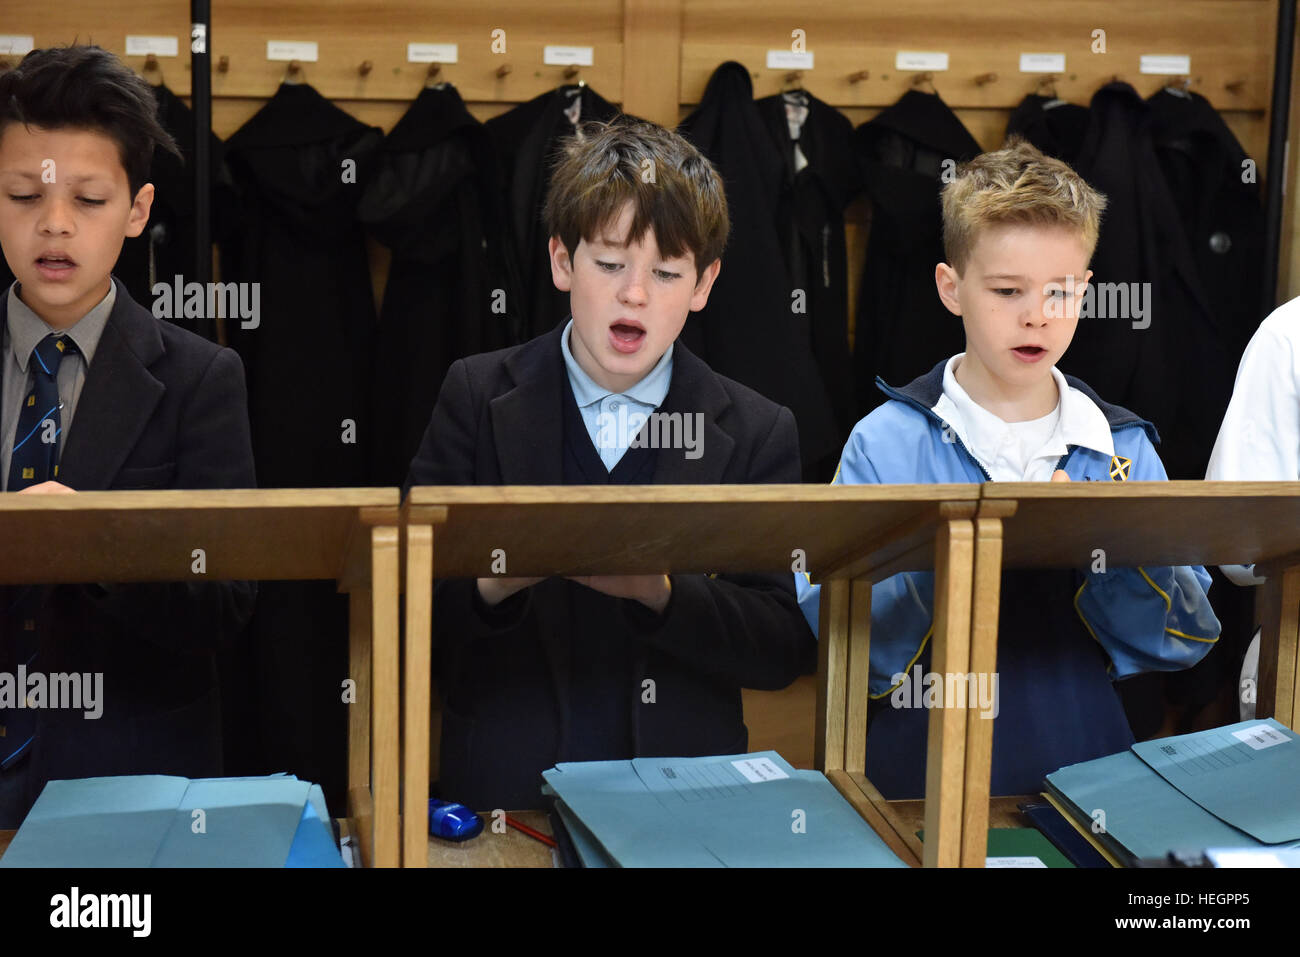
(850, 536)
(1061, 525)
(349, 535)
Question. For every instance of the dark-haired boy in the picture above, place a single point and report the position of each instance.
(95, 393)
(534, 672)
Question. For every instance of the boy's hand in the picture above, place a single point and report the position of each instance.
(1060, 475)
(653, 591)
(47, 488)
(493, 591)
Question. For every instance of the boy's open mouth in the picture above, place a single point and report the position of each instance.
(54, 265)
(626, 335)
(1030, 353)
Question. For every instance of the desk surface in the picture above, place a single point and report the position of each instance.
(513, 849)
(1061, 524)
(683, 528)
(132, 536)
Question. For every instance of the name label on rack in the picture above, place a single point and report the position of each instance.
(303, 50)
(1042, 63)
(789, 60)
(432, 52)
(12, 43)
(567, 56)
(1166, 64)
(918, 60)
(158, 46)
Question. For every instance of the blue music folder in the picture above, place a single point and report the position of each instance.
(1246, 774)
(739, 810)
(164, 821)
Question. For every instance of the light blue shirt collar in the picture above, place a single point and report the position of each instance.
(650, 391)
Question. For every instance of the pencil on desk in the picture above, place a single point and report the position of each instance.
(534, 834)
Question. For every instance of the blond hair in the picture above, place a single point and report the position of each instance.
(1016, 184)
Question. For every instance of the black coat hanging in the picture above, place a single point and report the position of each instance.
(525, 140)
(431, 201)
(902, 327)
(821, 177)
(750, 330)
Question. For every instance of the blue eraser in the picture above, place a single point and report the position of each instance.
(453, 822)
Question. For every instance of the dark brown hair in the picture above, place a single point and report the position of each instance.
(673, 188)
(86, 87)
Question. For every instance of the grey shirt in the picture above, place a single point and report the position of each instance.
(23, 330)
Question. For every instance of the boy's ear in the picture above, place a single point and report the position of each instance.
(561, 265)
(708, 275)
(138, 218)
(945, 280)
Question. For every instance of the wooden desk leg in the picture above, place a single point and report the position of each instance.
(360, 802)
(418, 674)
(385, 694)
(950, 654)
(832, 662)
(1278, 611)
(857, 691)
(983, 665)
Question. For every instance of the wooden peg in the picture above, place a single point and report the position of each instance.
(223, 64)
(859, 76)
(985, 78)
(570, 71)
(1233, 86)
(793, 77)
(432, 73)
(295, 68)
(152, 70)
(503, 71)
(365, 68)
(1047, 85)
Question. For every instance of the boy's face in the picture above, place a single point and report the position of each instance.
(65, 208)
(629, 304)
(1015, 302)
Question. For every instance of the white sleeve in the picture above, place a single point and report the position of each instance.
(1259, 439)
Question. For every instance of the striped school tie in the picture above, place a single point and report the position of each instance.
(35, 460)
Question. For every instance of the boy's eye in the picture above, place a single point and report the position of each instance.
(666, 275)
(92, 202)
(608, 267)
(1006, 292)
(1056, 293)
(22, 199)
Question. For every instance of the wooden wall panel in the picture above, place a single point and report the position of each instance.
(1226, 40)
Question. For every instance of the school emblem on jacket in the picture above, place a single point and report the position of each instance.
(1119, 467)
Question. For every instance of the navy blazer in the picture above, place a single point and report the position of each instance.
(505, 676)
(160, 408)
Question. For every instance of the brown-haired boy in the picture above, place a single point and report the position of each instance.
(1019, 230)
(539, 671)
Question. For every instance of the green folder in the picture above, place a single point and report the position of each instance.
(1019, 847)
